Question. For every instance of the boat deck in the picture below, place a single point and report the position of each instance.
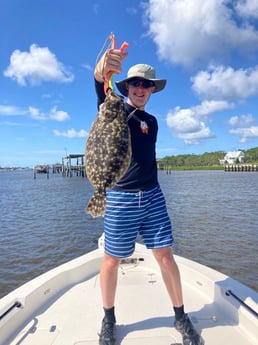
(72, 316)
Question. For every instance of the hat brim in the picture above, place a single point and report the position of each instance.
(121, 85)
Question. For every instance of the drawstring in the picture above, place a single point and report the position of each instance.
(143, 125)
(139, 194)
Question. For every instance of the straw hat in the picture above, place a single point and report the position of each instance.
(141, 71)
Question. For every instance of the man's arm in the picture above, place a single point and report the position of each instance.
(99, 87)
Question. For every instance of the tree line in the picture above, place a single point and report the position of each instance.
(207, 159)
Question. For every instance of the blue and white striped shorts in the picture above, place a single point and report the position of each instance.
(129, 214)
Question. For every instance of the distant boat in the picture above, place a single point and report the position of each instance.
(41, 169)
(63, 306)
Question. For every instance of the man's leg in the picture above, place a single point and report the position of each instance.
(170, 274)
(108, 279)
(108, 284)
(171, 277)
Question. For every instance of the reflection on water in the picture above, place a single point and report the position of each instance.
(43, 222)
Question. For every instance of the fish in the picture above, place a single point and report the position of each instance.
(107, 152)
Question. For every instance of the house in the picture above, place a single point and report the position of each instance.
(233, 157)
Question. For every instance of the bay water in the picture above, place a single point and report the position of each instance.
(43, 222)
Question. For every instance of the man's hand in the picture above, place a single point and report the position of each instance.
(111, 61)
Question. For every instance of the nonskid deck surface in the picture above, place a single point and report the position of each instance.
(143, 311)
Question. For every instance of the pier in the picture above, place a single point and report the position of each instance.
(73, 164)
(241, 167)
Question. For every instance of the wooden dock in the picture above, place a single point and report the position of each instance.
(73, 164)
(241, 167)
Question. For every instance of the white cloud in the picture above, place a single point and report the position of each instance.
(242, 127)
(209, 35)
(53, 114)
(87, 66)
(183, 121)
(96, 8)
(195, 137)
(210, 107)
(58, 115)
(241, 121)
(197, 32)
(36, 66)
(189, 124)
(245, 134)
(10, 110)
(132, 10)
(34, 113)
(220, 82)
(71, 133)
(247, 8)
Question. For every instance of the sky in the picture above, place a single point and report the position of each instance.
(207, 51)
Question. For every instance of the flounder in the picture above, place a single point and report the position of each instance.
(108, 151)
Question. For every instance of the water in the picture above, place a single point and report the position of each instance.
(43, 223)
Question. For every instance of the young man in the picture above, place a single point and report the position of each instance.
(137, 193)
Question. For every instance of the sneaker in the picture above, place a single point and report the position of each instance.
(186, 328)
(107, 334)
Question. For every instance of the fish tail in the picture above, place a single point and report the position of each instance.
(97, 204)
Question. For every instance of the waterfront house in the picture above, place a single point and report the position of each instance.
(233, 157)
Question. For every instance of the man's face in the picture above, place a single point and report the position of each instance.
(139, 92)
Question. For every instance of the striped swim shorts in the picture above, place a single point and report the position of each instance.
(131, 214)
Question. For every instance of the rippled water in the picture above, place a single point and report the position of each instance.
(43, 223)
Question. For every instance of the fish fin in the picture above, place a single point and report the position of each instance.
(97, 205)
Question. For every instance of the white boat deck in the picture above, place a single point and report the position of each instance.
(72, 315)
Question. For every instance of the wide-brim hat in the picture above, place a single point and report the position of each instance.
(141, 71)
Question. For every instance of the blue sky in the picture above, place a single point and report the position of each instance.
(207, 51)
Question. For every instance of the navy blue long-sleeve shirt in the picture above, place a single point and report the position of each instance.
(142, 172)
